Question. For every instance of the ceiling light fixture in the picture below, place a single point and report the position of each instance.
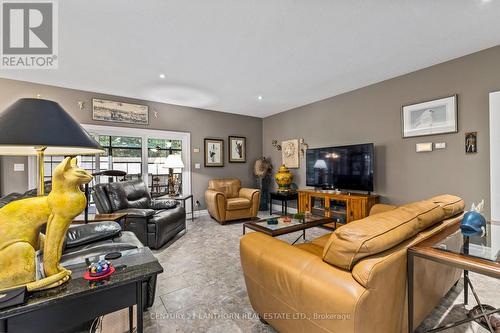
(260, 97)
(162, 76)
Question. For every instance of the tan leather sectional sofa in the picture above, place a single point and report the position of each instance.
(226, 200)
(354, 279)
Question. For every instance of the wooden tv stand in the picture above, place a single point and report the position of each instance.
(343, 207)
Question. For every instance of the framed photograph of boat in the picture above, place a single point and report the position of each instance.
(429, 118)
(120, 112)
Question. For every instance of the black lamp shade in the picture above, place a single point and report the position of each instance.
(32, 123)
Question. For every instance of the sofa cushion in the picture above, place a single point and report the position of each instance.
(128, 194)
(238, 203)
(380, 208)
(379, 232)
(230, 187)
(451, 204)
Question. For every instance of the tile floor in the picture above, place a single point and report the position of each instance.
(203, 290)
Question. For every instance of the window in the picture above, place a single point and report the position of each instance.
(123, 153)
(139, 152)
(158, 150)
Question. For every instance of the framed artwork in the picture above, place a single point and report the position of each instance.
(428, 118)
(470, 142)
(290, 153)
(237, 149)
(120, 112)
(214, 152)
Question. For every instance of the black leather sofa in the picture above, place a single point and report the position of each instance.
(154, 222)
(94, 239)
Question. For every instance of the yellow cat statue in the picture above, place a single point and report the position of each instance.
(20, 237)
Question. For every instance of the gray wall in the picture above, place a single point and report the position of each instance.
(372, 114)
(200, 123)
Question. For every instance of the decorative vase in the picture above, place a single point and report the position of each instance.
(283, 178)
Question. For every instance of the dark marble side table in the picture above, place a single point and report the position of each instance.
(284, 197)
(78, 301)
(180, 197)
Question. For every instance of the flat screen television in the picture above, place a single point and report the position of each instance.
(343, 167)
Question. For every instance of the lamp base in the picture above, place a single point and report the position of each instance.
(171, 184)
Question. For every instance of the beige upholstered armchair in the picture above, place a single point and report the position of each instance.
(226, 200)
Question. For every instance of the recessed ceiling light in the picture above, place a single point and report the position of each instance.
(162, 76)
(260, 97)
(486, 1)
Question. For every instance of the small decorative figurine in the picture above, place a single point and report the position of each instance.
(473, 223)
(99, 270)
(272, 220)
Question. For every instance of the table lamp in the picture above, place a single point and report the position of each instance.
(173, 162)
(34, 126)
(321, 166)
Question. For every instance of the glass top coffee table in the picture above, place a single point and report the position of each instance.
(283, 228)
(479, 254)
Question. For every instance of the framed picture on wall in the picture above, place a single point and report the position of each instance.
(428, 118)
(237, 149)
(214, 152)
(120, 112)
(290, 153)
(470, 142)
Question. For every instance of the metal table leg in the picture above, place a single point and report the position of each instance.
(463, 321)
(270, 204)
(466, 287)
(483, 314)
(139, 307)
(131, 319)
(410, 291)
(192, 208)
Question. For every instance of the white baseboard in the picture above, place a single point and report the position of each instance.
(201, 212)
(276, 209)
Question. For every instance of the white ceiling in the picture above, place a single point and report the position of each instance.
(222, 54)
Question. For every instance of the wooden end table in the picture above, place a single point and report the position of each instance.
(449, 247)
(283, 228)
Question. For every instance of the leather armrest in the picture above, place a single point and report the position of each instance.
(216, 204)
(381, 208)
(137, 212)
(163, 204)
(82, 234)
(248, 192)
(297, 281)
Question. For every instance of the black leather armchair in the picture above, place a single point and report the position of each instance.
(154, 222)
